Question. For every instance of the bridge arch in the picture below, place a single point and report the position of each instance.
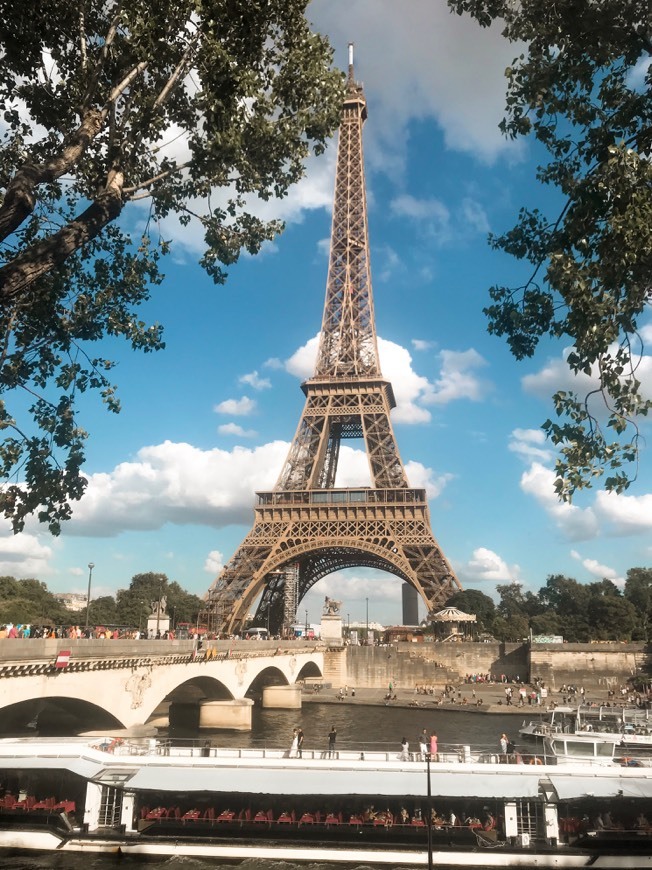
(132, 689)
(56, 715)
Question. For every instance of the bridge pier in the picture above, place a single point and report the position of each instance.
(234, 715)
(282, 697)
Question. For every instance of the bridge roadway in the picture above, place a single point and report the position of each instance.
(130, 679)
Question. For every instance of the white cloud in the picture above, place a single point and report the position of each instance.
(526, 444)
(23, 555)
(420, 344)
(602, 572)
(556, 375)
(414, 61)
(487, 566)
(303, 361)
(624, 514)
(421, 477)
(574, 522)
(238, 407)
(457, 378)
(176, 483)
(214, 563)
(238, 431)
(255, 381)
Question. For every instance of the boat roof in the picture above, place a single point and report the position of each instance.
(249, 771)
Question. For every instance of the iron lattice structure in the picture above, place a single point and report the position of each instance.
(306, 527)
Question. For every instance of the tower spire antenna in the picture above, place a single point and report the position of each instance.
(351, 78)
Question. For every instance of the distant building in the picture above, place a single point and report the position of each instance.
(410, 599)
(403, 633)
(72, 600)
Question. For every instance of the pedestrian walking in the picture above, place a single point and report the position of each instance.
(433, 746)
(332, 737)
(295, 744)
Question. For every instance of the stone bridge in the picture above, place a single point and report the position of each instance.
(125, 683)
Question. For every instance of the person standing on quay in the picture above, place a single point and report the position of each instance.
(405, 750)
(332, 737)
(423, 744)
(295, 744)
(433, 746)
(300, 743)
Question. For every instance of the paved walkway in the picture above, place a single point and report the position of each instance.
(492, 696)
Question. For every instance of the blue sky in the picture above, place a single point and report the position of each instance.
(209, 420)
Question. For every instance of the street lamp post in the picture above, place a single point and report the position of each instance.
(367, 600)
(429, 811)
(306, 624)
(91, 565)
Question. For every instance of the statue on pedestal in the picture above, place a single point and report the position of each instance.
(331, 606)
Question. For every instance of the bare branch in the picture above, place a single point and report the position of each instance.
(153, 180)
(82, 39)
(181, 67)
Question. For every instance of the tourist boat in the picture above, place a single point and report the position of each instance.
(632, 726)
(467, 807)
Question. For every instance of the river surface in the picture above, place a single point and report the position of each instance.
(373, 727)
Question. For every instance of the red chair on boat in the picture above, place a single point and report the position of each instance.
(157, 813)
(9, 801)
(264, 816)
(333, 819)
(64, 807)
(286, 818)
(356, 820)
(226, 816)
(307, 819)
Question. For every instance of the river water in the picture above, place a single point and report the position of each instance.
(358, 727)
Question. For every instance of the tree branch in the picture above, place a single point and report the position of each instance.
(20, 198)
(45, 254)
(180, 69)
(154, 179)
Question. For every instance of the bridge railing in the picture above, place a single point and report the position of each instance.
(35, 649)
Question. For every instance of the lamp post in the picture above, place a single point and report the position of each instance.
(429, 811)
(306, 624)
(91, 565)
(367, 600)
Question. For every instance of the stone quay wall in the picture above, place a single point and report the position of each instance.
(599, 665)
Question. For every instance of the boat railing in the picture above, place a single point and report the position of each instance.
(452, 753)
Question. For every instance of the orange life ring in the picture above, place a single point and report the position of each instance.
(535, 760)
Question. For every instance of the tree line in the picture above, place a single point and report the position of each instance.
(30, 601)
(580, 612)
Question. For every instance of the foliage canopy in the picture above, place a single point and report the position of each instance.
(193, 107)
(582, 86)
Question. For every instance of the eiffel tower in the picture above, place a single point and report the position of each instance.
(306, 527)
